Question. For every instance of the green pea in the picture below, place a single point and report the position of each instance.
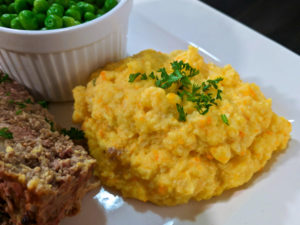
(89, 8)
(40, 18)
(68, 21)
(40, 6)
(16, 24)
(20, 5)
(3, 9)
(76, 14)
(6, 18)
(11, 8)
(28, 20)
(64, 3)
(86, 7)
(55, 9)
(109, 4)
(53, 22)
(72, 3)
(75, 7)
(101, 11)
(89, 16)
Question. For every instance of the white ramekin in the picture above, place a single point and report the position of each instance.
(50, 63)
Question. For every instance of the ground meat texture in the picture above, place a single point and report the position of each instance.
(43, 175)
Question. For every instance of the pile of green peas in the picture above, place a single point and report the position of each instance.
(51, 14)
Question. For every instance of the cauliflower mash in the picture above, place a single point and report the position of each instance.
(144, 151)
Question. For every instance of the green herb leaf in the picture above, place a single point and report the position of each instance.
(18, 112)
(144, 77)
(20, 104)
(52, 128)
(94, 82)
(133, 76)
(28, 101)
(5, 133)
(73, 133)
(184, 68)
(182, 114)
(219, 94)
(43, 103)
(225, 119)
(4, 78)
(151, 75)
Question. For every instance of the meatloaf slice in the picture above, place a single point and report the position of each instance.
(43, 175)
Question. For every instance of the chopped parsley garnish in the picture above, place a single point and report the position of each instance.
(51, 124)
(132, 77)
(18, 112)
(182, 114)
(94, 82)
(202, 95)
(4, 78)
(7, 93)
(5, 133)
(225, 119)
(28, 101)
(21, 105)
(73, 133)
(43, 103)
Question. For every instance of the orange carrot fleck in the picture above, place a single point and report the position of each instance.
(209, 156)
(197, 159)
(156, 155)
(162, 189)
(103, 75)
(208, 119)
(242, 134)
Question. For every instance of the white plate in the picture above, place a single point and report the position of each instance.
(273, 196)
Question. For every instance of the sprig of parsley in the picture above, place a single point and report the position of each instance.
(182, 114)
(133, 76)
(225, 119)
(201, 95)
(5, 133)
(73, 133)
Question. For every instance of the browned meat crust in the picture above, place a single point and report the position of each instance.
(43, 175)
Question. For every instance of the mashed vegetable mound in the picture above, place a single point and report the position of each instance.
(144, 151)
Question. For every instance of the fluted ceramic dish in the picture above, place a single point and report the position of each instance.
(50, 63)
(273, 195)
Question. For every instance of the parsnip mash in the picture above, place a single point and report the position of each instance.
(146, 152)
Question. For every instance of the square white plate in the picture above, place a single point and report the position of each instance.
(272, 196)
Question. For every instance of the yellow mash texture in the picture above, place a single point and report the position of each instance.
(145, 152)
